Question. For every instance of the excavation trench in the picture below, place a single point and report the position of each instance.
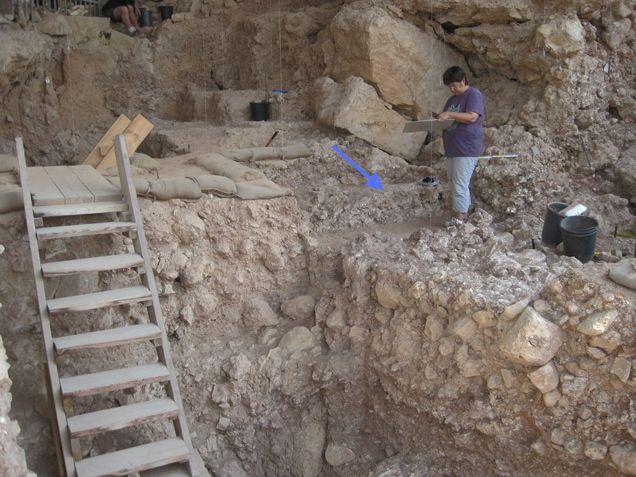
(337, 354)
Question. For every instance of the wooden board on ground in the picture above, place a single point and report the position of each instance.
(101, 189)
(72, 189)
(426, 125)
(135, 134)
(43, 189)
(107, 141)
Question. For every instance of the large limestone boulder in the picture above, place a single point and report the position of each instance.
(561, 36)
(403, 62)
(354, 106)
(532, 340)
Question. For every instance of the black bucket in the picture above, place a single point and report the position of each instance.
(551, 234)
(145, 19)
(259, 111)
(166, 12)
(579, 237)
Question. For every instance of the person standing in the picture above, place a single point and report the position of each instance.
(125, 11)
(463, 140)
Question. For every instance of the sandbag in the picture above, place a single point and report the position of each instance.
(10, 200)
(625, 273)
(262, 153)
(218, 185)
(260, 189)
(8, 163)
(175, 188)
(219, 165)
(142, 186)
(144, 161)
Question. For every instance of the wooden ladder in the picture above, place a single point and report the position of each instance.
(175, 452)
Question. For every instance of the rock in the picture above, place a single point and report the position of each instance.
(336, 455)
(625, 273)
(598, 323)
(465, 328)
(54, 24)
(237, 367)
(223, 424)
(532, 340)
(508, 377)
(485, 319)
(299, 308)
(596, 353)
(354, 106)
(624, 457)
(608, 342)
(550, 399)
(220, 394)
(308, 443)
(557, 436)
(257, 313)
(187, 315)
(546, 378)
(297, 339)
(335, 320)
(434, 328)
(230, 468)
(403, 62)
(389, 295)
(515, 309)
(198, 269)
(621, 368)
(188, 226)
(561, 36)
(595, 450)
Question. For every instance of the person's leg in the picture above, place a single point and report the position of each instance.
(460, 171)
(132, 14)
(120, 14)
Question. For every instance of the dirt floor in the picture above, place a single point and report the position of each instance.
(337, 330)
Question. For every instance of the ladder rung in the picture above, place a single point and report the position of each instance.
(91, 301)
(79, 209)
(115, 379)
(134, 459)
(92, 264)
(116, 418)
(105, 338)
(82, 230)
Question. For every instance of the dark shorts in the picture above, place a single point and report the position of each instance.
(108, 13)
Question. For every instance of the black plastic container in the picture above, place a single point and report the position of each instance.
(579, 237)
(166, 12)
(145, 19)
(259, 111)
(551, 233)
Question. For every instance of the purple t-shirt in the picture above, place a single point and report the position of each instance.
(465, 140)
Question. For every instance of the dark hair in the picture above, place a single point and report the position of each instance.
(454, 74)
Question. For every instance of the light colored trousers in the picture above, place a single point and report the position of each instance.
(460, 170)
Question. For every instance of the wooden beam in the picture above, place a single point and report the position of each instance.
(107, 141)
(135, 134)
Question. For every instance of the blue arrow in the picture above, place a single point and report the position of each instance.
(373, 181)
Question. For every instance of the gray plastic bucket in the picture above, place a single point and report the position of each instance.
(579, 237)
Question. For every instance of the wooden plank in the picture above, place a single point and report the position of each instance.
(43, 189)
(106, 338)
(55, 395)
(107, 141)
(121, 417)
(92, 301)
(92, 264)
(82, 230)
(79, 209)
(106, 381)
(96, 183)
(135, 134)
(134, 459)
(72, 189)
